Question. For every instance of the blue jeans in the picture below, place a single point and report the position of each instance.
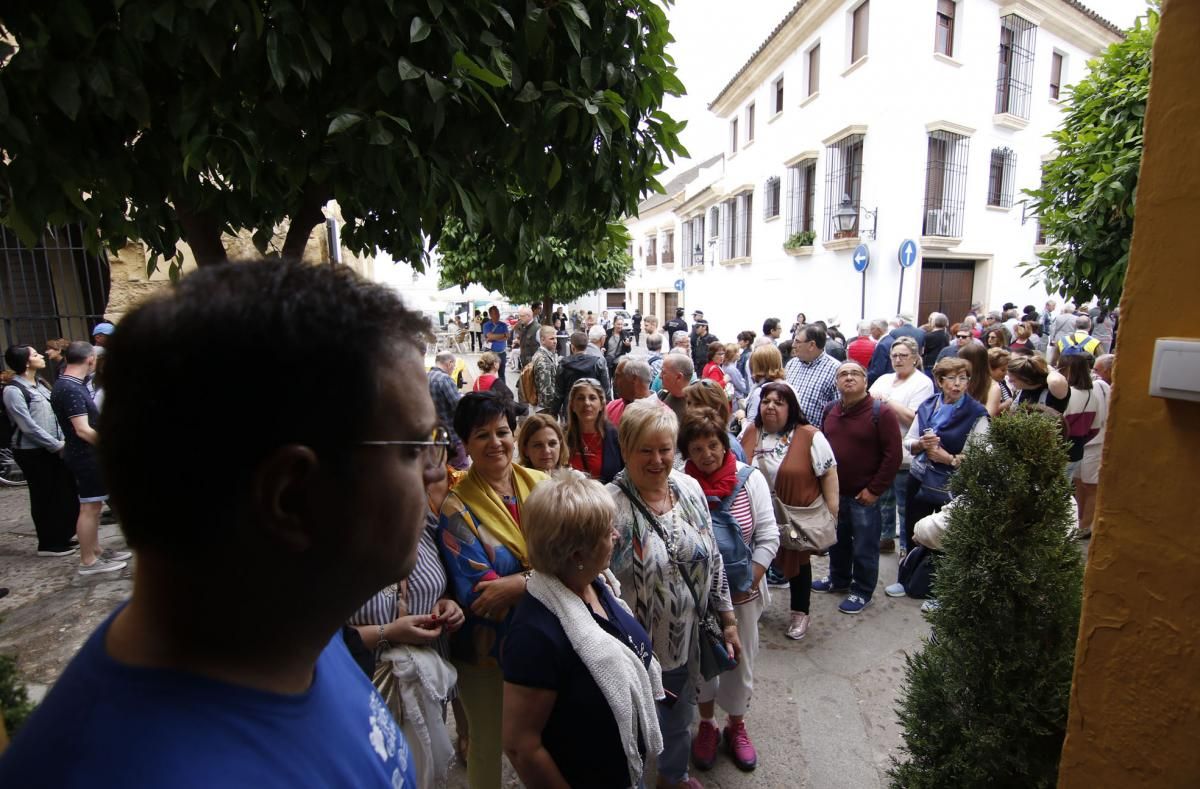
(854, 559)
(676, 725)
(891, 505)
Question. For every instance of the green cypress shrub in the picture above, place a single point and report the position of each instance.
(986, 697)
(14, 702)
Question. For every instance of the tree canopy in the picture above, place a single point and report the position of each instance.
(1089, 191)
(168, 120)
(553, 272)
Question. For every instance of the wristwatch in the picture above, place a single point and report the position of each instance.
(383, 642)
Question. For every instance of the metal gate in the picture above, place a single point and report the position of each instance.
(56, 289)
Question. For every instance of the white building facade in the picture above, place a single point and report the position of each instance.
(859, 125)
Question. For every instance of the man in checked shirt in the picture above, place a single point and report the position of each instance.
(812, 373)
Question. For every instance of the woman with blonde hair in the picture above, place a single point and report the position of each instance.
(766, 365)
(488, 364)
(671, 572)
(998, 369)
(565, 663)
(542, 445)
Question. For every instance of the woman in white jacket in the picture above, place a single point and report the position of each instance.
(739, 500)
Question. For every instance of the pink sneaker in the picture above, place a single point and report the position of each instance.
(704, 745)
(740, 747)
(798, 627)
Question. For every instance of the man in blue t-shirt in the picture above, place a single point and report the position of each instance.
(495, 334)
(226, 667)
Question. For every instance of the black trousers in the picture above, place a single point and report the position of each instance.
(53, 501)
(914, 509)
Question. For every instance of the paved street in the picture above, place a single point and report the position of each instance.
(823, 708)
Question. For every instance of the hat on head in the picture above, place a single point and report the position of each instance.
(103, 328)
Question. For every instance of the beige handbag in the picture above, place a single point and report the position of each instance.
(810, 528)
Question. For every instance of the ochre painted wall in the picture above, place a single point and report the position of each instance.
(1135, 701)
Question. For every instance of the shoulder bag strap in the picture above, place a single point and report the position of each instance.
(654, 524)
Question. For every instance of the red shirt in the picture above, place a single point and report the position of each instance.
(860, 350)
(484, 382)
(593, 454)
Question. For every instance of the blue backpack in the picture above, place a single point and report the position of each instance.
(734, 550)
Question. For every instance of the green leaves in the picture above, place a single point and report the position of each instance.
(535, 126)
(1086, 203)
(418, 31)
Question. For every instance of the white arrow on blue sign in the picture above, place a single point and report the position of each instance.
(862, 258)
(679, 285)
(908, 253)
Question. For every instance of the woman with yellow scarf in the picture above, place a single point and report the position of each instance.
(483, 546)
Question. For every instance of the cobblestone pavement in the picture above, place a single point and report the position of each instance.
(823, 711)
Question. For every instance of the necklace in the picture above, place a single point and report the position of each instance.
(656, 506)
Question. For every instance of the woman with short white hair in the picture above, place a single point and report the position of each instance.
(670, 569)
(565, 662)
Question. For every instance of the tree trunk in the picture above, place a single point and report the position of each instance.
(304, 217)
(547, 307)
(202, 232)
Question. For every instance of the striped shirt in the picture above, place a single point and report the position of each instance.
(422, 589)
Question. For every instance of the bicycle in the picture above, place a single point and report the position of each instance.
(11, 475)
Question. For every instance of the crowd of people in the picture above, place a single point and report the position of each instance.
(595, 543)
(51, 408)
(729, 466)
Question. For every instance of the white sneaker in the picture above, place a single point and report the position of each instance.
(115, 556)
(101, 565)
(930, 605)
(894, 590)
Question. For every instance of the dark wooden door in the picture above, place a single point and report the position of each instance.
(946, 286)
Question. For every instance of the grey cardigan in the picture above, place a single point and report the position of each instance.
(37, 427)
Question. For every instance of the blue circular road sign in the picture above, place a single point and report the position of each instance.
(862, 258)
(908, 253)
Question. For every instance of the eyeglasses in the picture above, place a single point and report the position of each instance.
(963, 336)
(901, 355)
(434, 451)
(588, 381)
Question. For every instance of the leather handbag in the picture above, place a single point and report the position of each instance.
(935, 485)
(810, 528)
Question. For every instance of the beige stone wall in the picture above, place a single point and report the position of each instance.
(131, 283)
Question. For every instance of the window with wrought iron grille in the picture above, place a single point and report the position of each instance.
(843, 184)
(725, 242)
(54, 289)
(668, 252)
(652, 251)
(1014, 81)
(801, 193)
(943, 35)
(714, 222)
(945, 184)
(771, 198)
(1001, 173)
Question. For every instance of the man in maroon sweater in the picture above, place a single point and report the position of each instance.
(865, 437)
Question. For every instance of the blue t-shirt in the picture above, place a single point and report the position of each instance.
(498, 327)
(107, 724)
(70, 397)
(537, 654)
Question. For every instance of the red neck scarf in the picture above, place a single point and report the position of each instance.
(720, 483)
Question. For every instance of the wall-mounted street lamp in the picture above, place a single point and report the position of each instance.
(845, 219)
